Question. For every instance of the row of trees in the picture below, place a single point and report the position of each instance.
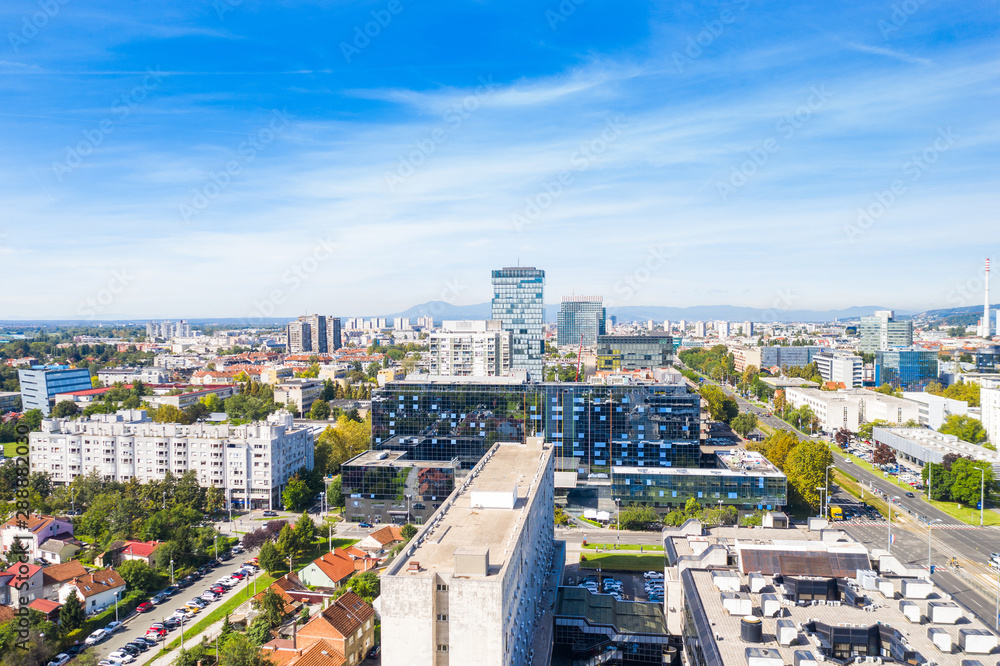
(720, 406)
(960, 479)
(804, 462)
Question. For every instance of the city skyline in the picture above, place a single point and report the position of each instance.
(179, 158)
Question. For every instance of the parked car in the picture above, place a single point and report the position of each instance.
(157, 632)
(113, 627)
(96, 637)
(365, 524)
(130, 649)
(209, 596)
(60, 659)
(237, 549)
(75, 649)
(121, 657)
(147, 640)
(141, 646)
(218, 589)
(199, 602)
(170, 624)
(144, 607)
(226, 556)
(171, 590)
(159, 598)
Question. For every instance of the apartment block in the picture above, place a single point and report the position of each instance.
(470, 348)
(841, 368)
(318, 334)
(251, 463)
(467, 589)
(300, 391)
(882, 331)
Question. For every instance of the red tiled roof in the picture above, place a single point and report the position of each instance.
(388, 534)
(14, 571)
(337, 565)
(33, 524)
(60, 573)
(97, 582)
(347, 613)
(140, 548)
(44, 605)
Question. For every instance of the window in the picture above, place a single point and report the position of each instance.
(442, 647)
(442, 617)
(441, 587)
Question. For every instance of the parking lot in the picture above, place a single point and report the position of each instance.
(632, 585)
(136, 624)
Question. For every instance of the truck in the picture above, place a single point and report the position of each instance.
(836, 513)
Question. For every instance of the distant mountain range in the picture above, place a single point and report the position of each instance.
(441, 310)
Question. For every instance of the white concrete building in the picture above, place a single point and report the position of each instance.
(146, 375)
(250, 462)
(467, 589)
(990, 400)
(841, 368)
(849, 408)
(699, 329)
(475, 348)
(722, 328)
(302, 392)
(920, 446)
(935, 409)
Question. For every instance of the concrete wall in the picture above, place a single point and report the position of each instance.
(408, 620)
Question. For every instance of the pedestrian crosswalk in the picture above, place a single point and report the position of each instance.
(882, 523)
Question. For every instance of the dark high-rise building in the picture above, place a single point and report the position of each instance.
(906, 369)
(635, 352)
(318, 334)
(518, 304)
(581, 319)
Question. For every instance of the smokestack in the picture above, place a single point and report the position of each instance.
(987, 324)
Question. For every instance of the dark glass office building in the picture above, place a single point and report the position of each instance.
(988, 358)
(518, 304)
(384, 486)
(634, 352)
(906, 369)
(580, 320)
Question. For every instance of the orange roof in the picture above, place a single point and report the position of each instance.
(309, 653)
(388, 534)
(97, 582)
(33, 524)
(347, 613)
(337, 565)
(140, 548)
(44, 605)
(14, 571)
(60, 573)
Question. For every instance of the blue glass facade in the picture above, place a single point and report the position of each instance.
(518, 304)
(635, 352)
(906, 369)
(42, 383)
(791, 357)
(581, 319)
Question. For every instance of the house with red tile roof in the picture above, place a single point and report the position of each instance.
(96, 591)
(23, 587)
(48, 608)
(33, 532)
(381, 541)
(332, 570)
(57, 575)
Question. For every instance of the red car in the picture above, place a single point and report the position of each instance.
(218, 589)
(158, 632)
(144, 608)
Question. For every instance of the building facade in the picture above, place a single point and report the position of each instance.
(518, 303)
(318, 334)
(989, 398)
(251, 463)
(907, 369)
(635, 352)
(385, 487)
(850, 408)
(9, 401)
(470, 348)
(846, 369)
(882, 331)
(467, 589)
(41, 383)
(581, 319)
(792, 357)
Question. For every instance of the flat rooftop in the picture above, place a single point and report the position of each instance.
(740, 460)
(458, 525)
(733, 649)
(934, 441)
(696, 471)
(632, 617)
(395, 459)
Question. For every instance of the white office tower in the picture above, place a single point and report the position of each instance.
(650, 325)
(682, 326)
(722, 327)
(985, 325)
(699, 329)
(467, 589)
(666, 326)
(748, 328)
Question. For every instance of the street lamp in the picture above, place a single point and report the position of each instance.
(821, 505)
(936, 520)
(171, 571)
(408, 508)
(826, 508)
(116, 604)
(982, 495)
(618, 512)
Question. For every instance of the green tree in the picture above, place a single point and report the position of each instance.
(806, 469)
(366, 585)
(213, 403)
(969, 484)
(965, 428)
(287, 544)
(271, 607)
(65, 408)
(305, 531)
(269, 558)
(692, 509)
(214, 499)
(336, 493)
(409, 531)
(139, 576)
(258, 633)
(888, 389)
(320, 410)
(744, 423)
(71, 615)
(169, 414)
(865, 430)
(297, 494)
(721, 407)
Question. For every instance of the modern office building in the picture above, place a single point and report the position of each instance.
(988, 357)
(468, 587)
(935, 409)
(580, 320)
(989, 398)
(302, 392)
(383, 486)
(597, 426)
(470, 348)
(318, 334)
(792, 357)
(849, 408)
(9, 401)
(882, 331)
(251, 463)
(840, 368)
(921, 446)
(591, 626)
(518, 303)
(908, 369)
(635, 352)
(41, 383)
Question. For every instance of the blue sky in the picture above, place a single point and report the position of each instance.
(191, 159)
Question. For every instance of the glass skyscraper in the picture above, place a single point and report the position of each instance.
(580, 321)
(906, 369)
(518, 304)
(635, 352)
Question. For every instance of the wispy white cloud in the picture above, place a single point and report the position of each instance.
(889, 53)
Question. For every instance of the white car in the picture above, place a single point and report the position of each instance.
(60, 659)
(120, 657)
(96, 637)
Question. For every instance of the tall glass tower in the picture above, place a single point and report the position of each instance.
(518, 304)
(580, 318)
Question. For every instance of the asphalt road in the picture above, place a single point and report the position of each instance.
(136, 624)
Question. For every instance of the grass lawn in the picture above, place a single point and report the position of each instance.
(592, 522)
(237, 598)
(10, 449)
(624, 546)
(624, 562)
(967, 514)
